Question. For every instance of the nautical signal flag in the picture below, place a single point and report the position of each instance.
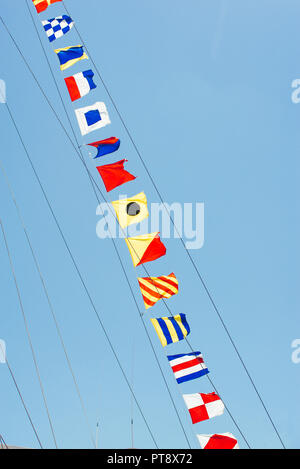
(104, 147)
(145, 248)
(57, 27)
(156, 288)
(68, 56)
(218, 441)
(114, 175)
(132, 210)
(187, 366)
(92, 118)
(171, 329)
(203, 406)
(42, 5)
(80, 84)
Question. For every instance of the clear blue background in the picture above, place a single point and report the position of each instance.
(205, 88)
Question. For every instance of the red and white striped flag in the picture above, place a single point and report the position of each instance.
(155, 288)
(218, 441)
(203, 406)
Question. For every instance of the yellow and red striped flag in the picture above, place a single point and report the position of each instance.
(42, 5)
(155, 288)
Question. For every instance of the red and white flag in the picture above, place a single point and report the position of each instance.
(203, 406)
(218, 441)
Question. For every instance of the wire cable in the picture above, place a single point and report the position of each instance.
(91, 178)
(58, 225)
(179, 236)
(21, 397)
(94, 184)
(92, 181)
(28, 335)
(51, 308)
(84, 165)
(80, 275)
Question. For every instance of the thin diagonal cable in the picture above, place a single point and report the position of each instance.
(115, 247)
(28, 334)
(79, 274)
(207, 376)
(64, 239)
(78, 152)
(143, 322)
(94, 184)
(21, 397)
(77, 149)
(57, 223)
(213, 385)
(181, 240)
(149, 338)
(51, 308)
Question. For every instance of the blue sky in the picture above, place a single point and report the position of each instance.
(205, 89)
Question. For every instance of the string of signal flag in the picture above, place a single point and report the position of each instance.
(144, 248)
(133, 210)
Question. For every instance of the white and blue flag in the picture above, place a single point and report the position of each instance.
(57, 27)
(92, 118)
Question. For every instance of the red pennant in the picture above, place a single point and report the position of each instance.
(113, 175)
(155, 250)
(221, 442)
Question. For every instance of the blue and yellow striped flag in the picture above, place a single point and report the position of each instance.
(68, 56)
(171, 329)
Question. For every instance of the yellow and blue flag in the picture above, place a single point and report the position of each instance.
(171, 329)
(68, 56)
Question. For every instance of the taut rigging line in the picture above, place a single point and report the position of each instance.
(20, 395)
(28, 335)
(51, 308)
(206, 289)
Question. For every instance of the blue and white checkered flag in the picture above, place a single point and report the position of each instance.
(57, 27)
(2, 92)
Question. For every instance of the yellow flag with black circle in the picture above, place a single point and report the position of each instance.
(132, 210)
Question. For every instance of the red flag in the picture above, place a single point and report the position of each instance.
(114, 174)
